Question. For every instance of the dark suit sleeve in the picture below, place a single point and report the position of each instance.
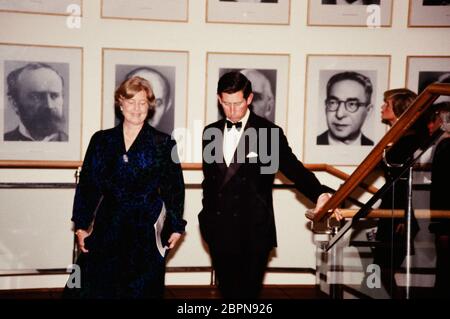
(304, 180)
(172, 187)
(88, 194)
(205, 174)
(440, 176)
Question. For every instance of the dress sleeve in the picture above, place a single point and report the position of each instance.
(172, 187)
(88, 194)
(304, 180)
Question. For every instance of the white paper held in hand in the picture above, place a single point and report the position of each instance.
(159, 224)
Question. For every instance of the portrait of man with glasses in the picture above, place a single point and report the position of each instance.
(347, 105)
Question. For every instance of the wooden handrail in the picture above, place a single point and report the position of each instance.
(398, 213)
(40, 164)
(417, 108)
(185, 166)
(344, 176)
(15, 164)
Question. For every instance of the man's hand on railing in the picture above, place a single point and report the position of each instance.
(323, 198)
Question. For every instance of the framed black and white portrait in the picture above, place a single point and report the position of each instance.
(248, 11)
(362, 13)
(52, 7)
(425, 70)
(343, 97)
(429, 13)
(167, 10)
(269, 75)
(40, 112)
(167, 73)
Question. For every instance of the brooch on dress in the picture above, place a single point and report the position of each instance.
(125, 158)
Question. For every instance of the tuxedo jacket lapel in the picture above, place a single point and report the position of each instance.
(218, 165)
(242, 150)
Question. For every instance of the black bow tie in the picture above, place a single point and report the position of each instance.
(230, 124)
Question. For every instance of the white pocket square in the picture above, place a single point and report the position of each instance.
(252, 154)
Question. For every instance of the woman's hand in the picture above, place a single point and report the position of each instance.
(81, 236)
(173, 239)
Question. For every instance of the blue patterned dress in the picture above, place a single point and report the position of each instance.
(125, 191)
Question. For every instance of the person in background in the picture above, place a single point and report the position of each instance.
(439, 197)
(391, 231)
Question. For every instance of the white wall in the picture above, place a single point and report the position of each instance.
(296, 247)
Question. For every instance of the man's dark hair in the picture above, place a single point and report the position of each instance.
(353, 76)
(12, 79)
(233, 82)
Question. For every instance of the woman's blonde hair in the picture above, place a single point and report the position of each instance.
(401, 99)
(129, 88)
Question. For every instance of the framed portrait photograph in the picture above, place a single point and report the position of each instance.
(425, 70)
(344, 95)
(353, 13)
(41, 102)
(52, 7)
(166, 71)
(429, 13)
(167, 10)
(269, 75)
(248, 11)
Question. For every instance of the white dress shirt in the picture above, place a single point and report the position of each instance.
(231, 139)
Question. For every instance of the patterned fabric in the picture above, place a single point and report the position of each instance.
(125, 191)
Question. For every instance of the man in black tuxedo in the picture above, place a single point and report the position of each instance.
(241, 154)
